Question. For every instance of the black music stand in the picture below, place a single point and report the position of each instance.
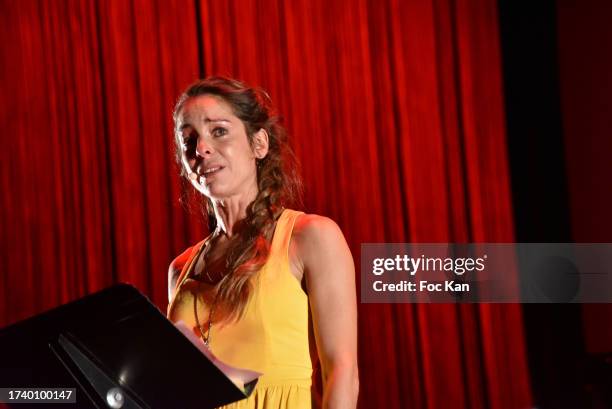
(115, 338)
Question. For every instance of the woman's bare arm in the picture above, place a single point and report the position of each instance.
(330, 278)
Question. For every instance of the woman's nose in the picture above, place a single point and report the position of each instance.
(203, 147)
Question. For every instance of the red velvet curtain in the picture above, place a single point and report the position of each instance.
(396, 113)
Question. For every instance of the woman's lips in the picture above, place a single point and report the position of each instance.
(210, 172)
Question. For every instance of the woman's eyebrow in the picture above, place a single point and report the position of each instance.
(187, 123)
(217, 120)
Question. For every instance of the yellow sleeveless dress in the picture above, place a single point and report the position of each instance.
(272, 336)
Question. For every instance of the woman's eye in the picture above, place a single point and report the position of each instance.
(219, 131)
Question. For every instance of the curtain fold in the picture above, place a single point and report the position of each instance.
(395, 110)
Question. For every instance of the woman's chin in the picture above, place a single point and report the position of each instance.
(211, 190)
(203, 188)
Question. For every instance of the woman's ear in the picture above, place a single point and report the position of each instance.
(260, 144)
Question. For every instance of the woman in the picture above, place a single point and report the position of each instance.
(247, 288)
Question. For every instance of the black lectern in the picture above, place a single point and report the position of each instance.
(118, 350)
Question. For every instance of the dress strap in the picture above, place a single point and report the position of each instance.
(282, 234)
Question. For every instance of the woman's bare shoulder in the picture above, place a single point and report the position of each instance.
(308, 225)
(176, 266)
(313, 232)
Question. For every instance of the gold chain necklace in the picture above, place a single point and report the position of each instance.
(206, 336)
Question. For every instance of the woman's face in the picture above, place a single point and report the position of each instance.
(216, 153)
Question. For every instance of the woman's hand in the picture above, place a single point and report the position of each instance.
(329, 271)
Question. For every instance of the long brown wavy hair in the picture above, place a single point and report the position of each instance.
(278, 182)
